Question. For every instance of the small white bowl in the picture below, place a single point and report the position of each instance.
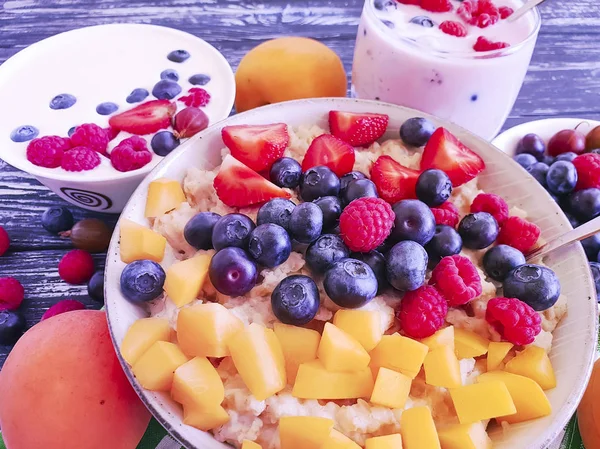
(574, 340)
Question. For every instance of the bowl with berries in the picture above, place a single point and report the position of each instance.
(347, 273)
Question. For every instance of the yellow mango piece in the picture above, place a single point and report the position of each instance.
(442, 368)
(304, 432)
(247, 444)
(315, 382)
(443, 337)
(185, 279)
(391, 389)
(393, 441)
(340, 352)
(337, 440)
(418, 430)
(497, 350)
(205, 329)
(468, 344)
(533, 362)
(529, 398)
(399, 353)
(205, 419)
(141, 335)
(299, 345)
(155, 369)
(481, 401)
(363, 325)
(138, 242)
(465, 436)
(198, 383)
(258, 357)
(164, 195)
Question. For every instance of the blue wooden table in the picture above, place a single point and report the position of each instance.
(563, 80)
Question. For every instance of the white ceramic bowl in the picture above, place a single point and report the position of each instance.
(575, 338)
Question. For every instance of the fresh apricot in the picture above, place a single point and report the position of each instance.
(588, 412)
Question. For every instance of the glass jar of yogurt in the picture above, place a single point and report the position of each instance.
(402, 56)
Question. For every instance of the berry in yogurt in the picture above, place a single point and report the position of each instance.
(62, 101)
(178, 56)
(163, 142)
(137, 95)
(166, 89)
(169, 74)
(107, 108)
(24, 133)
(199, 79)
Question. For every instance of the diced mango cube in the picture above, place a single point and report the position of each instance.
(442, 368)
(315, 382)
(185, 279)
(164, 195)
(364, 325)
(481, 401)
(393, 441)
(468, 344)
(141, 335)
(299, 345)
(198, 383)
(205, 329)
(399, 353)
(205, 419)
(391, 388)
(340, 352)
(497, 350)
(156, 367)
(529, 398)
(247, 444)
(257, 355)
(304, 432)
(138, 242)
(533, 362)
(443, 337)
(418, 430)
(338, 440)
(465, 436)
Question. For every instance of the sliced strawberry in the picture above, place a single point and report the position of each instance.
(257, 146)
(239, 186)
(330, 151)
(357, 129)
(445, 152)
(394, 181)
(146, 118)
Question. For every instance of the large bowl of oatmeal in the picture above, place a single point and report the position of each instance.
(568, 329)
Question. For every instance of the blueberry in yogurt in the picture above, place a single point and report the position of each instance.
(416, 131)
(424, 21)
(381, 5)
(164, 142)
(166, 90)
(24, 133)
(178, 56)
(71, 131)
(199, 79)
(534, 285)
(137, 95)
(350, 283)
(106, 108)
(169, 74)
(62, 101)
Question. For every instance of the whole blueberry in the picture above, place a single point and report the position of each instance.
(324, 251)
(295, 300)
(169, 74)
(406, 265)
(501, 260)
(62, 101)
(12, 326)
(57, 219)
(591, 246)
(595, 269)
(349, 177)
(306, 222)
(433, 187)
(317, 182)
(416, 131)
(71, 131)
(445, 242)
(525, 160)
(331, 207)
(163, 142)
(277, 211)
(424, 21)
(178, 56)
(269, 245)
(350, 283)
(569, 157)
(539, 171)
(199, 79)
(478, 230)
(232, 230)
(24, 133)
(585, 204)
(359, 188)
(533, 284)
(199, 229)
(548, 160)
(286, 172)
(137, 95)
(414, 221)
(106, 108)
(376, 261)
(561, 177)
(232, 272)
(532, 144)
(385, 4)
(95, 286)
(142, 281)
(166, 90)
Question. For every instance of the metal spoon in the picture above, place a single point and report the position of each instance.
(582, 232)
(523, 9)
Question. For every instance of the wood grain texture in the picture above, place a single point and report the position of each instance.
(563, 80)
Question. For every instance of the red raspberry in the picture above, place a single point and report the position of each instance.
(47, 151)
(11, 293)
(80, 159)
(112, 132)
(91, 136)
(76, 267)
(492, 204)
(484, 44)
(4, 241)
(197, 97)
(436, 5)
(588, 171)
(465, 11)
(484, 20)
(519, 233)
(514, 320)
(457, 280)
(453, 28)
(422, 312)
(505, 12)
(366, 223)
(487, 7)
(66, 305)
(446, 214)
(131, 154)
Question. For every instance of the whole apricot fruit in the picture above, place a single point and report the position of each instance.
(588, 412)
(288, 68)
(62, 387)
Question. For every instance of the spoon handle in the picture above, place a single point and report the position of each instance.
(582, 232)
(523, 9)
